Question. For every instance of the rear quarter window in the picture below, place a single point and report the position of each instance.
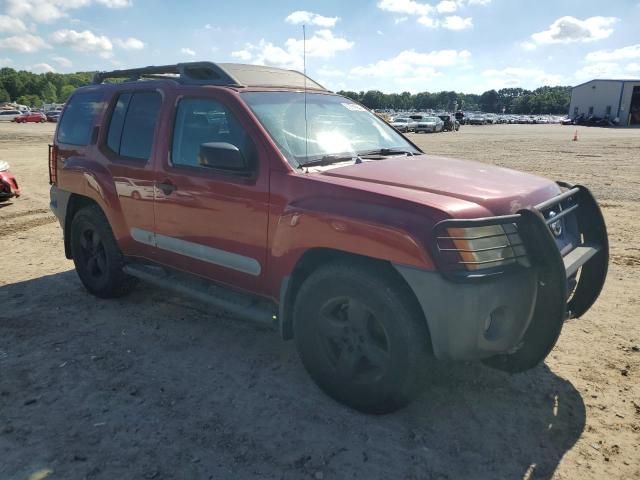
(77, 121)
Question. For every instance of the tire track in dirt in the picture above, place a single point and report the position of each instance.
(24, 226)
(36, 211)
(626, 260)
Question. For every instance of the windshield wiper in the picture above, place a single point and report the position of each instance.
(387, 152)
(329, 159)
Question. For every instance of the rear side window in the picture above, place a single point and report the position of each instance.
(79, 115)
(133, 124)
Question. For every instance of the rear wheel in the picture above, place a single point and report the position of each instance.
(361, 337)
(96, 255)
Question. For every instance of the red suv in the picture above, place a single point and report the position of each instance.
(266, 195)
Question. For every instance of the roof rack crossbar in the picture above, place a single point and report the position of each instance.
(192, 73)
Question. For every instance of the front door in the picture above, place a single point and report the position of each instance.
(210, 219)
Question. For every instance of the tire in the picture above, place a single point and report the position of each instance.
(361, 337)
(96, 255)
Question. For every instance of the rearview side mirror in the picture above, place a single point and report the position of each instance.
(222, 156)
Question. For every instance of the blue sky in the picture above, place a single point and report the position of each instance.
(390, 45)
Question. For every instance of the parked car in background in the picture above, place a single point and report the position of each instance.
(52, 116)
(566, 120)
(449, 123)
(9, 115)
(404, 125)
(477, 120)
(8, 184)
(31, 117)
(429, 125)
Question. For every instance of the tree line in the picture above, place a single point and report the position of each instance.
(509, 100)
(34, 89)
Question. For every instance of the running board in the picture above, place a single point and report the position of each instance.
(239, 305)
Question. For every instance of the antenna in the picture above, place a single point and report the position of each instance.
(304, 71)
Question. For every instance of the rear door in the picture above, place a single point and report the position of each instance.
(128, 147)
(212, 221)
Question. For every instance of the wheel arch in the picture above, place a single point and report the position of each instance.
(314, 259)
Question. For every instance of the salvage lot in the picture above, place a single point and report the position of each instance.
(155, 386)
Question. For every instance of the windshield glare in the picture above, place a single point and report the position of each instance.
(335, 125)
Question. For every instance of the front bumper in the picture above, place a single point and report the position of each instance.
(513, 316)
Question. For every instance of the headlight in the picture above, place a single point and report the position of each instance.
(486, 247)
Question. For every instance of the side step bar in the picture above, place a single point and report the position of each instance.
(244, 306)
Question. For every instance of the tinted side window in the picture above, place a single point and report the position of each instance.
(117, 122)
(138, 126)
(201, 121)
(77, 122)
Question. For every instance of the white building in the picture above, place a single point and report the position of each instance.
(615, 98)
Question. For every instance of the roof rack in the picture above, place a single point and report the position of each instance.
(209, 73)
(192, 73)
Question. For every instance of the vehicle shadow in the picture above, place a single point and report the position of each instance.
(155, 386)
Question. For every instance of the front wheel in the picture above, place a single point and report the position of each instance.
(362, 337)
(96, 255)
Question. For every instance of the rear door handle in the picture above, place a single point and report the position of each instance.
(167, 187)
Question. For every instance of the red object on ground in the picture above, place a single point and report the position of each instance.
(8, 184)
(36, 117)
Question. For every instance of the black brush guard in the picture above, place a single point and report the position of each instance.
(587, 263)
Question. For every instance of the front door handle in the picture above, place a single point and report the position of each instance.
(167, 187)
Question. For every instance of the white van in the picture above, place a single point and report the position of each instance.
(9, 115)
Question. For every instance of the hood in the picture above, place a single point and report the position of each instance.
(500, 190)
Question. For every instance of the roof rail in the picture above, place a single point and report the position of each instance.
(192, 73)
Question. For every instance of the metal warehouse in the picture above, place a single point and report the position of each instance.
(612, 98)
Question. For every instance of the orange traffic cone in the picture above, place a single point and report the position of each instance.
(575, 136)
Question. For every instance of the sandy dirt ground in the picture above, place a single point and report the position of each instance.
(155, 386)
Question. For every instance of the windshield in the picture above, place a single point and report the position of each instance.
(335, 126)
(400, 120)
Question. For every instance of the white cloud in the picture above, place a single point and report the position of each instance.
(24, 43)
(446, 6)
(244, 55)
(41, 68)
(62, 62)
(115, 3)
(479, 2)
(129, 43)
(303, 17)
(571, 29)
(633, 67)
(454, 22)
(400, 20)
(412, 64)
(85, 41)
(46, 11)
(11, 25)
(5, 62)
(323, 44)
(409, 7)
(517, 77)
(625, 53)
(188, 51)
(427, 21)
(529, 46)
(606, 70)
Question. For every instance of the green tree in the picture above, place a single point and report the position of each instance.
(65, 92)
(4, 95)
(49, 93)
(30, 100)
